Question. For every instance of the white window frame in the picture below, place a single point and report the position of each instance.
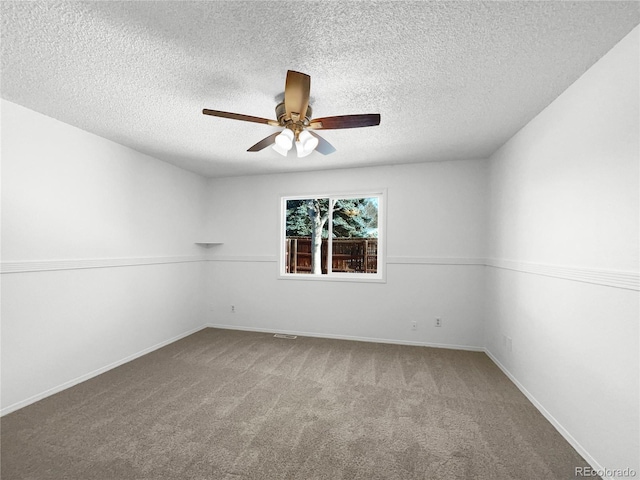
(330, 276)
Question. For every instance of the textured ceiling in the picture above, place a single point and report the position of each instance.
(452, 80)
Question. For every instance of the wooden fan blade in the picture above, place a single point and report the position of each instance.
(264, 143)
(345, 121)
(324, 147)
(239, 116)
(296, 94)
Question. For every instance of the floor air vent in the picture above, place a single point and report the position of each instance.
(282, 335)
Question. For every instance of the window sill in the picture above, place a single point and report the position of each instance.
(359, 278)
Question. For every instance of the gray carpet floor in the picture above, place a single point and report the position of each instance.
(233, 405)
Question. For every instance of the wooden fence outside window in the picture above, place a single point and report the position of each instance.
(359, 255)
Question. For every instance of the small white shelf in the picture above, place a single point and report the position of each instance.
(208, 244)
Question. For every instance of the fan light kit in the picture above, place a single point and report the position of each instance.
(294, 114)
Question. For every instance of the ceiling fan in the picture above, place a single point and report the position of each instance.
(294, 114)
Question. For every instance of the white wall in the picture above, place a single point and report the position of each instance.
(564, 246)
(435, 243)
(97, 254)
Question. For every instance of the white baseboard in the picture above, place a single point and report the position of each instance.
(347, 337)
(557, 425)
(95, 373)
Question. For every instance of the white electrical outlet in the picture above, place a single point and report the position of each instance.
(414, 325)
(233, 309)
(438, 322)
(509, 344)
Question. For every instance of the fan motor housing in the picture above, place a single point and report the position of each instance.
(281, 112)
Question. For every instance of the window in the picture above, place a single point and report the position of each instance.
(333, 237)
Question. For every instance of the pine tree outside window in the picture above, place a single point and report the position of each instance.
(333, 237)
